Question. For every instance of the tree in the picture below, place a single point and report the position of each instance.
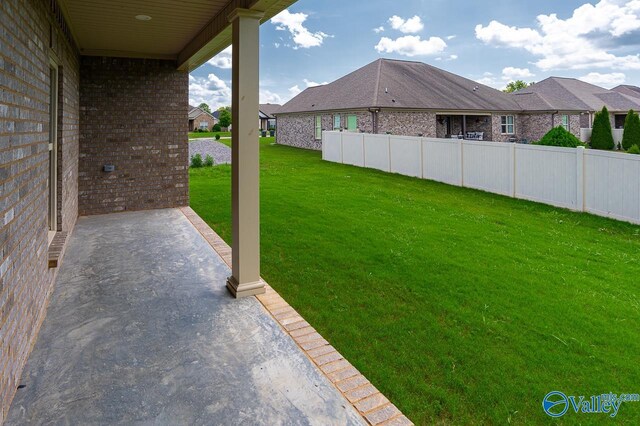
(225, 117)
(631, 135)
(205, 107)
(601, 135)
(516, 85)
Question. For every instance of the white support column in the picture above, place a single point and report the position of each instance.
(245, 156)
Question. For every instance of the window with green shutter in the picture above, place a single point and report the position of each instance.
(352, 123)
(318, 127)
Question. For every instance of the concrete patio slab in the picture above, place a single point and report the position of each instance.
(141, 330)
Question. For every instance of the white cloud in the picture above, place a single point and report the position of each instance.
(222, 59)
(302, 37)
(451, 37)
(408, 26)
(211, 90)
(511, 73)
(269, 97)
(296, 90)
(579, 42)
(411, 46)
(606, 80)
(378, 30)
(453, 57)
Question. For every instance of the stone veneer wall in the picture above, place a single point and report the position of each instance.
(28, 33)
(535, 126)
(410, 123)
(298, 130)
(132, 115)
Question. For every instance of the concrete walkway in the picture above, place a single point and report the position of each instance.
(141, 330)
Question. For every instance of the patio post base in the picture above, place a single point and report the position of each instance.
(245, 290)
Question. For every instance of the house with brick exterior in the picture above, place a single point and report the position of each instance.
(267, 116)
(200, 119)
(96, 234)
(562, 93)
(415, 99)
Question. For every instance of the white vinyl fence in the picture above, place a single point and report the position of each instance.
(585, 135)
(602, 183)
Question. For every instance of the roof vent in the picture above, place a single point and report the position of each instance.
(386, 90)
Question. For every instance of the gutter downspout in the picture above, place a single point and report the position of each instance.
(374, 119)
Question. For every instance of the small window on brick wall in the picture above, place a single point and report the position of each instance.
(336, 122)
(507, 126)
(565, 122)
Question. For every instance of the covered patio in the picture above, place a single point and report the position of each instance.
(466, 126)
(141, 329)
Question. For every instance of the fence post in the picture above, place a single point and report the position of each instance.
(512, 170)
(461, 151)
(580, 178)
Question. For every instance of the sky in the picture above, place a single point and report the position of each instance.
(492, 42)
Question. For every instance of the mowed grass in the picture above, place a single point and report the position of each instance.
(201, 135)
(461, 306)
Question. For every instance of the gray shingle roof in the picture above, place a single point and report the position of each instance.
(270, 109)
(195, 112)
(625, 89)
(570, 94)
(388, 83)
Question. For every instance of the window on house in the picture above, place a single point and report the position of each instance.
(508, 126)
(565, 122)
(318, 127)
(204, 125)
(52, 180)
(352, 123)
(336, 122)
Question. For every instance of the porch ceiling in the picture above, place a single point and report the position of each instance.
(188, 31)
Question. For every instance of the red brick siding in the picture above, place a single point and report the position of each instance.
(132, 115)
(25, 280)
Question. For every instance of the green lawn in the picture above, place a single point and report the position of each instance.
(200, 135)
(461, 306)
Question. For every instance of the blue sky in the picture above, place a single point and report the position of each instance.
(493, 42)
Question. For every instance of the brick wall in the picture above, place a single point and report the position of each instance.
(195, 123)
(29, 37)
(408, 123)
(132, 115)
(298, 130)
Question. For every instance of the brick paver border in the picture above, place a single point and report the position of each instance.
(372, 405)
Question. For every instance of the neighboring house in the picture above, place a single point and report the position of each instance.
(572, 94)
(201, 119)
(413, 98)
(267, 116)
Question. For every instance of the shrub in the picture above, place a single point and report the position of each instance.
(216, 128)
(217, 136)
(208, 161)
(635, 149)
(631, 134)
(196, 161)
(602, 136)
(559, 136)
